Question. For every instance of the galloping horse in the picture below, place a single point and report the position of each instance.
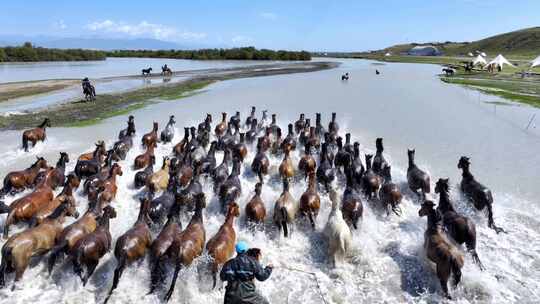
(146, 72)
(17, 181)
(34, 135)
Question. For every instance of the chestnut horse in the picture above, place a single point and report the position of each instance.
(17, 181)
(146, 158)
(307, 163)
(133, 244)
(19, 248)
(34, 135)
(255, 209)
(24, 208)
(150, 138)
(55, 176)
(100, 146)
(221, 246)
(109, 186)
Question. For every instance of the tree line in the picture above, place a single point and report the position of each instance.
(244, 53)
(27, 52)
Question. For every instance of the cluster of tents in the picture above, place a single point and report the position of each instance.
(499, 61)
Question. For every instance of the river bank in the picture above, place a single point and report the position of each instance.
(78, 112)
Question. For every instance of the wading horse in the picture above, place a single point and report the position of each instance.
(36, 134)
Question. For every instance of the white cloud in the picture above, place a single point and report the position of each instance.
(142, 29)
(268, 16)
(60, 24)
(239, 39)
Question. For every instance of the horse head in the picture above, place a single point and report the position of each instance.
(442, 185)
(464, 162)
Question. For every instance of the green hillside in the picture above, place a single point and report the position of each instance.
(523, 43)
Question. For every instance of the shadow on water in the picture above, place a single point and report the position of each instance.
(416, 280)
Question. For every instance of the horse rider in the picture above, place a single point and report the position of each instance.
(240, 273)
(86, 85)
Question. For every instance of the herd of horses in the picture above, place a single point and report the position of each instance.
(165, 71)
(177, 189)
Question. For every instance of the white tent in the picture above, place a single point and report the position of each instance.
(500, 61)
(479, 60)
(388, 54)
(536, 62)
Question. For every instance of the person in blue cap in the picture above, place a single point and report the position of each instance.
(240, 273)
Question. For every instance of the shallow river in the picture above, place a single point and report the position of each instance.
(406, 105)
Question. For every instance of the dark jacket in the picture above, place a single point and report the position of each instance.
(239, 274)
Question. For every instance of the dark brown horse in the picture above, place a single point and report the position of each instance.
(222, 126)
(161, 245)
(351, 207)
(285, 209)
(19, 248)
(221, 246)
(255, 209)
(371, 180)
(461, 228)
(93, 246)
(189, 244)
(56, 176)
(146, 158)
(17, 181)
(24, 208)
(151, 137)
(130, 130)
(477, 193)
(132, 245)
(310, 202)
(260, 163)
(390, 194)
(180, 148)
(87, 168)
(439, 249)
(307, 163)
(379, 161)
(416, 178)
(36, 134)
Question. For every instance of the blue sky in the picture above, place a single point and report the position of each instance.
(311, 25)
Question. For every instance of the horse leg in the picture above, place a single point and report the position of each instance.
(56, 252)
(34, 142)
(9, 221)
(214, 274)
(173, 283)
(491, 222)
(3, 267)
(156, 274)
(443, 272)
(25, 144)
(90, 268)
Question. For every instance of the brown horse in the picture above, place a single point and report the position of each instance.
(221, 246)
(133, 244)
(286, 168)
(109, 186)
(180, 147)
(146, 158)
(440, 250)
(351, 207)
(390, 194)
(72, 183)
(416, 178)
(24, 208)
(285, 209)
(371, 180)
(36, 134)
(100, 147)
(161, 245)
(310, 202)
(255, 209)
(17, 181)
(55, 176)
(461, 228)
(67, 239)
(151, 137)
(93, 246)
(222, 126)
(160, 179)
(307, 163)
(260, 162)
(19, 248)
(189, 244)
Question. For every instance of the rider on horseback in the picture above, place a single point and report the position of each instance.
(88, 89)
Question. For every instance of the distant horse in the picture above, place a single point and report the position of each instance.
(448, 71)
(36, 134)
(146, 72)
(345, 76)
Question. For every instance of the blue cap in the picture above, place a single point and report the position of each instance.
(241, 247)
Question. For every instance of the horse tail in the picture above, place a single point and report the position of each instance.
(117, 274)
(6, 258)
(284, 217)
(3, 208)
(77, 268)
(214, 274)
(175, 277)
(56, 251)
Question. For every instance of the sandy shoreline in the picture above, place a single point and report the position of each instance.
(76, 113)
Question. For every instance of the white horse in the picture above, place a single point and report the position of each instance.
(337, 232)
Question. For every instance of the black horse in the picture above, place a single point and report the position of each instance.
(88, 90)
(146, 72)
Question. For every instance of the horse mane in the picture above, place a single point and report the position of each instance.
(59, 211)
(44, 123)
